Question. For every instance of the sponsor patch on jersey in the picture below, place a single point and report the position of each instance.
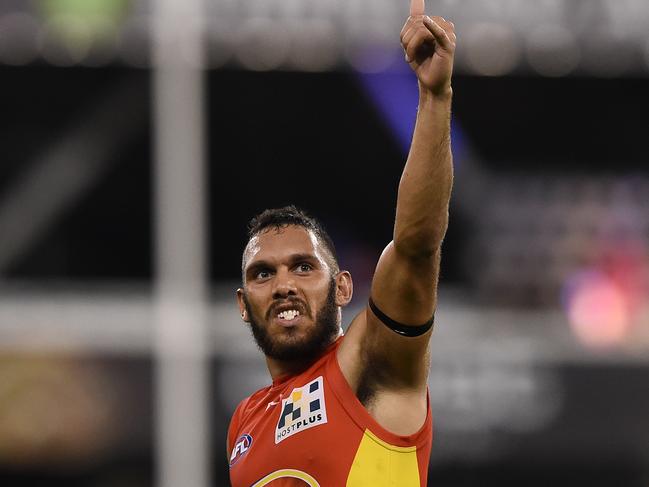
(304, 408)
(241, 447)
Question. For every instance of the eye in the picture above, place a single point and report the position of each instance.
(304, 267)
(262, 274)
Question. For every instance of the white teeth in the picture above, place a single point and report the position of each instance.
(289, 314)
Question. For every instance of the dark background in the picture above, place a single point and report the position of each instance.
(317, 140)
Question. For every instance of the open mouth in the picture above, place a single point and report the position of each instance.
(288, 316)
(288, 312)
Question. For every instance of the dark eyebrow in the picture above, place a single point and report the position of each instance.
(257, 266)
(301, 257)
(293, 259)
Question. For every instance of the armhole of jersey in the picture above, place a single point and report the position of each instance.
(365, 421)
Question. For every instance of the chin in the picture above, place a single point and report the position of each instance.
(304, 341)
(295, 346)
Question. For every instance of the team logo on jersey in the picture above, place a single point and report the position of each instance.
(241, 447)
(304, 408)
(298, 476)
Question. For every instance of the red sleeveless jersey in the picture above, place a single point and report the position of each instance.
(311, 430)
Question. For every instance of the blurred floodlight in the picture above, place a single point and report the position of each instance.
(101, 52)
(373, 47)
(371, 35)
(99, 16)
(315, 46)
(258, 8)
(491, 49)
(56, 51)
(263, 44)
(552, 50)
(628, 17)
(290, 9)
(81, 31)
(135, 42)
(76, 42)
(598, 311)
(220, 47)
(558, 37)
(19, 33)
(608, 55)
(538, 231)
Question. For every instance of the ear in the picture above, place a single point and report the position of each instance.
(344, 288)
(242, 306)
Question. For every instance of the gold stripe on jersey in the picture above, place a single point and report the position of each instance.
(287, 473)
(380, 464)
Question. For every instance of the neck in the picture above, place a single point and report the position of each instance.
(278, 368)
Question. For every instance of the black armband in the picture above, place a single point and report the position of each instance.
(403, 330)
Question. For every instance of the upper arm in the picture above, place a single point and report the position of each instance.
(405, 289)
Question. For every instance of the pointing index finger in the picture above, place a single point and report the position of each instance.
(417, 7)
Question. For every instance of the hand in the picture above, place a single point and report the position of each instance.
(429, 44)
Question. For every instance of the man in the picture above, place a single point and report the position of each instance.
(351, 410)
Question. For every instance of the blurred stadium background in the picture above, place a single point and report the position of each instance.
(138, 137)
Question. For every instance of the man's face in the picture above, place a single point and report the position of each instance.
(289, 297)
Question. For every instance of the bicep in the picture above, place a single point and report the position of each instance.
(405, 287)
(405, 290)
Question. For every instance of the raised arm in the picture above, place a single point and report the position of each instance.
(404, 286)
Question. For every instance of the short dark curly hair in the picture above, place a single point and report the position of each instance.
(291, 215)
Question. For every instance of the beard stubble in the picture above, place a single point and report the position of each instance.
(316, 341)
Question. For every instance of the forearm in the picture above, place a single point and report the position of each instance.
(425, 186)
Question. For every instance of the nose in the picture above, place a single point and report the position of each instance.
(283, 285)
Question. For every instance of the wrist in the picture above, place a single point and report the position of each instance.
(427, 96)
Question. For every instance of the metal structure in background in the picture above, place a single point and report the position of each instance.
(182, 400)
(544, 37)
